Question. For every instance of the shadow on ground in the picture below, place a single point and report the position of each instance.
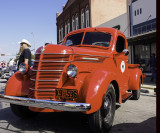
(65, 122)
(148, 126)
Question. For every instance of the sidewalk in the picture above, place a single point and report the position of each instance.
(148, 86)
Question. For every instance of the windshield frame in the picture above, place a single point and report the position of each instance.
(84, 33)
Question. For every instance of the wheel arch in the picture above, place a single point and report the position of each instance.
(116, 87)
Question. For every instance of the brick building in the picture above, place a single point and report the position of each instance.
(78, 14)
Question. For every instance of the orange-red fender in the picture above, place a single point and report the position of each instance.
(17, 86)
(134, 78)
(94, 88)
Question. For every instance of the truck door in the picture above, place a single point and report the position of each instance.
(121, 62)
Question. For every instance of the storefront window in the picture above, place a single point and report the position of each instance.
(142, 56)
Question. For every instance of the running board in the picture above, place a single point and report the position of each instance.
(126, 96)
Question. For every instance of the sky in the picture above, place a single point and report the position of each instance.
(27, 19)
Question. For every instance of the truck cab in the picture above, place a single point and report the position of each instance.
(88, 73)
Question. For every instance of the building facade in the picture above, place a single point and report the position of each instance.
(142, 40)
(78, 14)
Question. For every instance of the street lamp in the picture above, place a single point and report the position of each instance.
(34, 42)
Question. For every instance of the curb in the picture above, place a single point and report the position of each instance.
(148, 87)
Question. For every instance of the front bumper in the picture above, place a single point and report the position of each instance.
(48, 104)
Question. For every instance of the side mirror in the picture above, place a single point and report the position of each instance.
(126, 52)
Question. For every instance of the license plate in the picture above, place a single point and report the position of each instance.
(66, 94)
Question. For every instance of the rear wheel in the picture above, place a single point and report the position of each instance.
(136, 93)
(22, 111)
(102, 120)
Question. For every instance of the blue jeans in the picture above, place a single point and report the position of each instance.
(153, 70)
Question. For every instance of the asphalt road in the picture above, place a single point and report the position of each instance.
(131, 117)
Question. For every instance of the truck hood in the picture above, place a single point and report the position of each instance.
(51, 48)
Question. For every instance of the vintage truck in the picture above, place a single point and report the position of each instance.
(88, 73)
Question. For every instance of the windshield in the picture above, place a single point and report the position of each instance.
(91, 38)
(97, 38)
(74, 39)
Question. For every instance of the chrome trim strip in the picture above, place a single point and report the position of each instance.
(43, 90)
(51, 61)
(88, 61)
(70, 61)
(86, 58)
(47, 70)
(92, 55)
(72, 54)
(49, 104)
(55, 53)
(46, 80)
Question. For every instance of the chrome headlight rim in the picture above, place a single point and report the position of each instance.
(23, 68)
(72, 70)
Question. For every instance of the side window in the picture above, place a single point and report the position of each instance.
(120, 45)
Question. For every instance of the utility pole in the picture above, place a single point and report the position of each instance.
(34, 42)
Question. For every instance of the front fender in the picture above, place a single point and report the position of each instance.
(94, 88)
(134, 78)
(17, 86)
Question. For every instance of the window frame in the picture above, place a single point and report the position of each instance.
(87, 16)
(73, 23)
(69, 27)
(66, 28)
(82, 19)
(125, 45)
(76, 22)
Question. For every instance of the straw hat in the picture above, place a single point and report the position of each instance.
(25, 41)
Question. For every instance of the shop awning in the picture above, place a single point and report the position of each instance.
(151, 34)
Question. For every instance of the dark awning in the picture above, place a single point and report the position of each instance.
(144, 36)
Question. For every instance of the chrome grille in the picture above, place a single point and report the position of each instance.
(33, 75)
(46, 74)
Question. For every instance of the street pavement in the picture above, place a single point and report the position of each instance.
(130, 117)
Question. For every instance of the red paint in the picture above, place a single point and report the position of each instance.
(97, 67)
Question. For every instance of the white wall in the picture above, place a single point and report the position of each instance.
(148, 8)
(121, 20)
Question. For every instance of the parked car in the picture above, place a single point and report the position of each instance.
(88, 73)
(7, 72)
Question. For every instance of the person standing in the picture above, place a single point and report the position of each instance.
(152, 63)
(25, 56)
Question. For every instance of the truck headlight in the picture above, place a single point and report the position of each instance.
(72, 70)
(23, 68)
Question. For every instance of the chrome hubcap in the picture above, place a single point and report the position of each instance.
(107, 107)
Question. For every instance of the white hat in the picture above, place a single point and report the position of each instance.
(26, 42)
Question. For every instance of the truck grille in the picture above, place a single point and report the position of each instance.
(46, 74)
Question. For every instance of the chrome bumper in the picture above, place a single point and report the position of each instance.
(48, 104)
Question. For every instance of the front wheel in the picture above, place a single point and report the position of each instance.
(22, 111)
(102, 120)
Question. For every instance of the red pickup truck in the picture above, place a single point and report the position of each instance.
(88, 73)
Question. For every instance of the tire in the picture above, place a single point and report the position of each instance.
(102, 120)
(22, 111)
(136, 93)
